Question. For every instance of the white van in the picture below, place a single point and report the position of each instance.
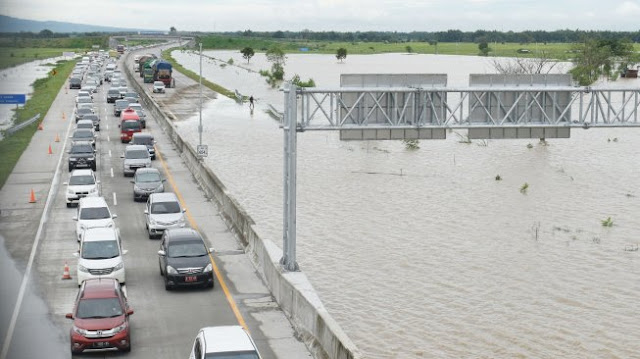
(230, 342)
(100, 255)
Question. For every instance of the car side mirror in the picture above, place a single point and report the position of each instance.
(65, 183)
(184, 210)
(162, 253)
(125, 251)
(75, 254)
(114, 216)
(132, 181)
(164, 180)
(68, 316)
(212, 250)
(146, 212)
(75, 218)
(129, 311)
(98, 182)
(121, 156)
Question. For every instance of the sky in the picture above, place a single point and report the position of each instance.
(336, 15)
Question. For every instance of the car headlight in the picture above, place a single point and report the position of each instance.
(208, 268)
(120, 328)
(82, 268)
(80, 331)
(93, 190)
(136, 188)
(119, 266)
(82, 227)
(72, 159)
(111, 225)
(160, 187)
(171, 270)
(152, 221)
(91, 158)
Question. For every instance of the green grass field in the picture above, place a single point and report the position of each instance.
(44, 92)
(12, 56)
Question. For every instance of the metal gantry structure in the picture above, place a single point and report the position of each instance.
(427, 112)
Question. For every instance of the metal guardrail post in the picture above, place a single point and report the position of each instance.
(18, 127)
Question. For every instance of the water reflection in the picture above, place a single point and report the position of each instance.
(422, 253)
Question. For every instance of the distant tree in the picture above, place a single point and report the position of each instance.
(409, 49)
(276, 55)
(596, 58)
(173, 30)
(247, 53)
(484, 48)
(341, 54)
(541, 64)
(46, 33)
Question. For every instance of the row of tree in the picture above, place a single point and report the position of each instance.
(477, 36)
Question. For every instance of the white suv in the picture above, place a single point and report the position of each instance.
(82, 183)
(100, 255)
(93, 212)
(162, 212)
(227, 341)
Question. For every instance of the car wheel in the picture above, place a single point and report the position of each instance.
(93, 167)
(160, 267)
(70, 168)
(68, 205)
(167, 286)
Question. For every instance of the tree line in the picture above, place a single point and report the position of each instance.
(523, 37)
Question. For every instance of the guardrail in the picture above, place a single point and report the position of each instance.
(20, 126)
(291, 290)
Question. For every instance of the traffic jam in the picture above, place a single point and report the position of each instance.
(101, 312)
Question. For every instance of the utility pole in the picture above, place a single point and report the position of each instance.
(200, 126)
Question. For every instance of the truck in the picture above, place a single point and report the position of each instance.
(162, 71)
(120, 49)
(141, 61)
(147, 71)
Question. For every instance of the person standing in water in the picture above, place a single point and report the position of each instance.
(251, 102)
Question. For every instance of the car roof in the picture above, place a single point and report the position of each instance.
(226, 339)
(163, 197)
(143, 135)
(92, 202)
(136, 148)
(182, 234)
(99, 234)
(147, 170)
(84, 122)
(99, 288)
(81, 172)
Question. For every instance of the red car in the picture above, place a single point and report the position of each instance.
(100, 317)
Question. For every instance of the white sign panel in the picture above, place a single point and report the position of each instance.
(203, 150)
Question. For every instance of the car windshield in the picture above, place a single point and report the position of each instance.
(100, 249)
(84, 110)
(81, 180)
(131, 125)
(187, 249)
(122, 104)
(82, 149)
(137, 154)
(158, 83)
(232, 355)
(84, 99)
(114, 92)
(90, 117)
(85, 125)
(147, 177)
(95, 213)
(165, 207)
(95, 308)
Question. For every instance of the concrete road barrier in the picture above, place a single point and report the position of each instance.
(291, 290)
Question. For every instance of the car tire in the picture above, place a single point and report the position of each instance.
(167, 286)
(68, 205)
(93, 167)
(70, 168)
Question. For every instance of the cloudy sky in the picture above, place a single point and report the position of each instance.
(339, 15)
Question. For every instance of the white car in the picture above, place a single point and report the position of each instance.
(93, 212)
(82, 183)
(158, 87)
(100, 255)
(162, 212)
(135, 156)
(226, 341)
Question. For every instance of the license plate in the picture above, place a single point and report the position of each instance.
(101, 344)
(191, 278)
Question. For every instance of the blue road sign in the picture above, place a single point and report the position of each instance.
(13, 99)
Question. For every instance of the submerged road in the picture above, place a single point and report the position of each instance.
(165, 323)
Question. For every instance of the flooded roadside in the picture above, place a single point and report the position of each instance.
(423, 253)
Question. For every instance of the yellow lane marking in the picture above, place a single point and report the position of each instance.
(193, 224)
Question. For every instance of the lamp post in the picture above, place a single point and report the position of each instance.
(200, 126)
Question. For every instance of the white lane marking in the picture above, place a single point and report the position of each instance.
(111, 172)
(110, 154)
(107, 127)
(34, 248)
(115, 200)
(108, 139)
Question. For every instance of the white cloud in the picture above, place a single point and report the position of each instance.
(628, 8)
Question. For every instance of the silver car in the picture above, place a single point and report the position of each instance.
(162, 212)
(145, 182)
(135, 156)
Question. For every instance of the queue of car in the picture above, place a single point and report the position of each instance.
(101, 310)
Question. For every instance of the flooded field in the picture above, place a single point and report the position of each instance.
(18, 80)
(423, 253)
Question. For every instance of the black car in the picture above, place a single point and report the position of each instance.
(184, 259)
(84, 135)
(119, 106)
(95, 119)
(82, 154)
(75, 83)
(113, 94)
(145, 138)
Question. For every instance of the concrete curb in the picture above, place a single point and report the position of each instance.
(292, 291)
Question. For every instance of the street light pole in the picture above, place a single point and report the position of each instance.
(200, 126)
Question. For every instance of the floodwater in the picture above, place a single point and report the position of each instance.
(18, 80)
(34, 334)
(423, 253)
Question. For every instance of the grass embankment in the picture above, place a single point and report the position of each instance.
(18, 48)
(166, 54)
(13, 56)
(559, 51)
(44, 92)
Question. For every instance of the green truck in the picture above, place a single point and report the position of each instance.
(147, 71)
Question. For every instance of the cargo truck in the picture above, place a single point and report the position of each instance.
(162, 71)
(141, 62)
(147, 71)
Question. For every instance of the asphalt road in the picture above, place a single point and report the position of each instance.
(165, 322)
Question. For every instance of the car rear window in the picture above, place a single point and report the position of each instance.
(142, 140)
(137, 154)
(83, 148)
(165, 207)
(100, 249)
(95, 213)
(81, 180)
(187, 249)
(131, 125)
(232, 355)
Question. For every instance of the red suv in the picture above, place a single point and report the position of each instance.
(100, 317)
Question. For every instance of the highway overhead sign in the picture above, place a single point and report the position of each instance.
(13, 99)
